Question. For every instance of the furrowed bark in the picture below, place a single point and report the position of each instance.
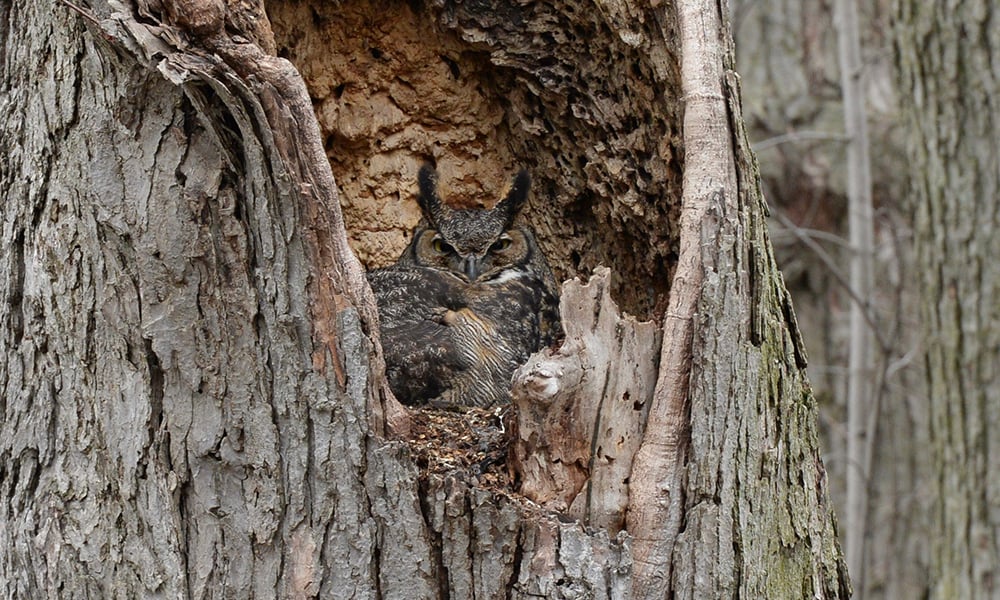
(724, 452)
(950, 101)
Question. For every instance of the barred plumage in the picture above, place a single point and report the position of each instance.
(468, 301)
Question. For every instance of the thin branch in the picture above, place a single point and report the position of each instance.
(863, 394)
(798, 136)
(83, 12)
(819, 234)
(831, 265)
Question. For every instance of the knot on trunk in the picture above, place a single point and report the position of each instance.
(580, 411)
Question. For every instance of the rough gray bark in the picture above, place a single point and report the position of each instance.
(188, 407)
(950, 94)
(192, 398)
(166, 430)
(787, 57)
(749, 485)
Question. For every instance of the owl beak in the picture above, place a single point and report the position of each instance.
(470, 265)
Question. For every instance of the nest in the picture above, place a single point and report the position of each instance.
(472, 442)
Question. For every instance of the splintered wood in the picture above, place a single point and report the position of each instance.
(580, 411)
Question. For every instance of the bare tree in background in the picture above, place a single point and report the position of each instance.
(788, 54)
(861, 370)
(193, 402)
(950, 96)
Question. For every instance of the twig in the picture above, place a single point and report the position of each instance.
(796, 136)
(86, 14)
(829, 263)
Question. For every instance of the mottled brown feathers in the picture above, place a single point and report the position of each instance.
(468, 301)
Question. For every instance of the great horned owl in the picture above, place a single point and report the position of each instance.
(466, 303)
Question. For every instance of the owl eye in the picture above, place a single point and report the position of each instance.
(501, 244)
(440, 246)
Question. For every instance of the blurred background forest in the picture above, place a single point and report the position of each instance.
(794, 108)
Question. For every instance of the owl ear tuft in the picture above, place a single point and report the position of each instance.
(515, 197)
(429, 200)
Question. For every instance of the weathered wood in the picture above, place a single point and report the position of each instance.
(581, 409)
(730, 449)
(655, 511)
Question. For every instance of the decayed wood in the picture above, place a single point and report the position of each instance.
(486, 88)
(581, 409)
(211, 435)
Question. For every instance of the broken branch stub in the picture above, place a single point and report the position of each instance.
(581, 410)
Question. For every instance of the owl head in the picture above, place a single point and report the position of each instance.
(473, 244)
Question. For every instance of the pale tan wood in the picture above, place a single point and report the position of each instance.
(580, 410)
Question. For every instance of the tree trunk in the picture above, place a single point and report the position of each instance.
(193, 397)
(861, 355)
(788, 62)
(950, 92)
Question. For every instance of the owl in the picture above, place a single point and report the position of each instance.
(468, 301)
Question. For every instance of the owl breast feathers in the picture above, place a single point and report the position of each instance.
(466, 303)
